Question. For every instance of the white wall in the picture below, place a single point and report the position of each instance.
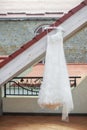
(30, 105)
(80, 97)
(35, 6)
(25, 105)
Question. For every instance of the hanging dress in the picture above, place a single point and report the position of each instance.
(55, 89)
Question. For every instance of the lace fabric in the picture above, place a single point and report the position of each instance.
(55, 89)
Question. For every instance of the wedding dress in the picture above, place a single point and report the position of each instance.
(55, 90)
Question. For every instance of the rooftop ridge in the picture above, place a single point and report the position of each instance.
(41, 35)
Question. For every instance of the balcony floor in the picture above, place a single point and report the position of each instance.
(42, 123)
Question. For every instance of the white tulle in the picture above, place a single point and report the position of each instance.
(55, 88)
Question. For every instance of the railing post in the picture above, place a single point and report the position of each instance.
(4, 90)
(75, 82)
(0, 101)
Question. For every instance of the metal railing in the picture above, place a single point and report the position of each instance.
(28, 86)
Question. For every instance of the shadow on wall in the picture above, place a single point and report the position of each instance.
(80, 97)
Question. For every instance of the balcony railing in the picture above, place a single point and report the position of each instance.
(28, 86)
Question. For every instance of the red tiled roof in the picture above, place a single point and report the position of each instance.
(73, 70)
(38, 37)
(37, 71)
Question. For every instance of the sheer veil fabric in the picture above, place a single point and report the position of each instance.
(55, 89)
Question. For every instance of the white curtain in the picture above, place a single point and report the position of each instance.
(55, 90)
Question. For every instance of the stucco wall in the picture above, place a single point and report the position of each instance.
(13, 34)
(76, 47)
(80, 97)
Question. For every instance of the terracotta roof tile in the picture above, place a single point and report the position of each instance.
(73, 70)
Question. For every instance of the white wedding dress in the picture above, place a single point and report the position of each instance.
(55, 89)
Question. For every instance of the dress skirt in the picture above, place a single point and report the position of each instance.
(55, 89)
